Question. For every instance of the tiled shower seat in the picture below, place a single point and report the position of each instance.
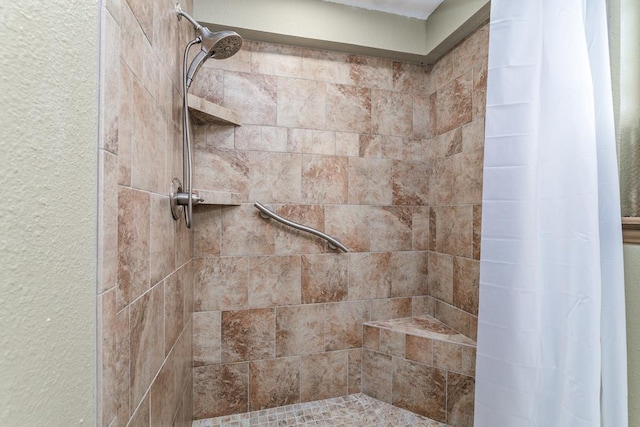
(422, 365)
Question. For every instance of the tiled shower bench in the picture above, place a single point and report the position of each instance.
(420, 364)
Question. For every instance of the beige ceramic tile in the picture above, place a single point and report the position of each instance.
(371, 337)
(409, 273)
(348, 108)
(371, 72)
(347, 144)
(441, 276)
(131, 40)
(460, 400)
(299, 330)
(244, 232)
(248, 334)
(391, 228)
(322, 142)
(466, 278)
(274, 139)
(343, 324)
(477, 226)
(274, 177)
(442, 72)
(277, 60)
(274, 281)
(240, 62)
(454, 230)
(451, 106)
(447, 355)
(393, 147)
(133, 244)
(421, 306)
(391, 113)
(473, 135)
(220, 390)
(454, 318)
(328, 66)
(161, 249)
(207, 225)
(377, 375)
(370, 181)
(369, 275)
(471, 50)
(480, 90)
(231, 171)
(163, 394)
(410, 183)
(324, 179)
(467, 177)
(291, 241)
(220, 283)
(109, 83)
(419, 349)
(206, 338)
(146, 331)
(350, 225)
(355, 371)
(392, 342)
(274, 382)
(107, 256)
(419, 388)
(324, 278)
(324, 375)
(421, 117)
(125, 124)
(371, 145)
(141, 416)
(390, 308)
(300, 140)
(301, 103)
(420, 228)
(254, 95)
(411, 78)
(248, 137)
(176, 286)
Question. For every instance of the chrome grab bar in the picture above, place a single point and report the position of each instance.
(267, 212)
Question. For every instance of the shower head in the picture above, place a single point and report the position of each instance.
(218, 45)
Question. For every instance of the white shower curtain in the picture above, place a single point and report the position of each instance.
(551, 335)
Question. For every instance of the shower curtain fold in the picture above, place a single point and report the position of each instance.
(551, 334)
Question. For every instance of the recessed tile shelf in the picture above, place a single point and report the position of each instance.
(206, 112)
(226, 198)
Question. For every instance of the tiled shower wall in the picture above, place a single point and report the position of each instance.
(385, 156)
(145, 258)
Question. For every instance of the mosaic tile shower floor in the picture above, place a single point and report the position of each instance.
(356, 410)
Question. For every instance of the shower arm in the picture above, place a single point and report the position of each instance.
(181, 13)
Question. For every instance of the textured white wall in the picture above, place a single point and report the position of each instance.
(48, 140)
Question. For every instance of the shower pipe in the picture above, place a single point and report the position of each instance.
(267, 212)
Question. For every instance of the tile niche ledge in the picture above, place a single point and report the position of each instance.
(206, 112)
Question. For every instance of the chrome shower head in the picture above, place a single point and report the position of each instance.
(218, 45)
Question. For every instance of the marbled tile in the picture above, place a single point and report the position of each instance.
(274, 177)
(143, 12)
(350, 225)
(321, 142)
(424, 326)
(460, 400)
(390, 308)
(454, 230)
(324, 278)
(131, 40)
(240, 62)
(370, 145)
(447, 144)
(377, 374)
(441, 182)
(183, 241)
(207, 136)
(421, 117)
(419, 388)
(354, 379)
(410, 78)
(441, 276)
(206, 337)
(441, 72)
(274, 382)
(451, 105)
(209, 85)
(433, 231)
(393, 147)
(420, 228)
(371, 72)
(324, 375)
(324, 179)
(109, 83)
(220, 283)
(409, 273)
(276, 59)
(163, 394)
(467, 177)
(422, 306)
(141, 416)
(207, 228)
(301, 103)
(348, 108)
(291, 241)
(419, 349)
(413, 149)
(473, 135)
(125, 123)
(371, 337)
(479, 102)
(343, 324)
(254, 95)
(161, 249)
(133, 244)
(471, 50)
(477, 230)
(347, 144)
(447, 355)
(469, 361)
(274, 280)
(410, 183)
(300, 141)
(221, 170)
(299, 330)
(148, 143)
(391, 228)
(248, 334)
(327, 66)
(176, 287)
(370, 181)
(454, 318)
(466, 279)
(146, 331)
(391, 113)
(220, 390)
(473, 328)
(247, 137)
(369, 275)
(274, 138)
(244, 232)
(107, 256)
(392, 342)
